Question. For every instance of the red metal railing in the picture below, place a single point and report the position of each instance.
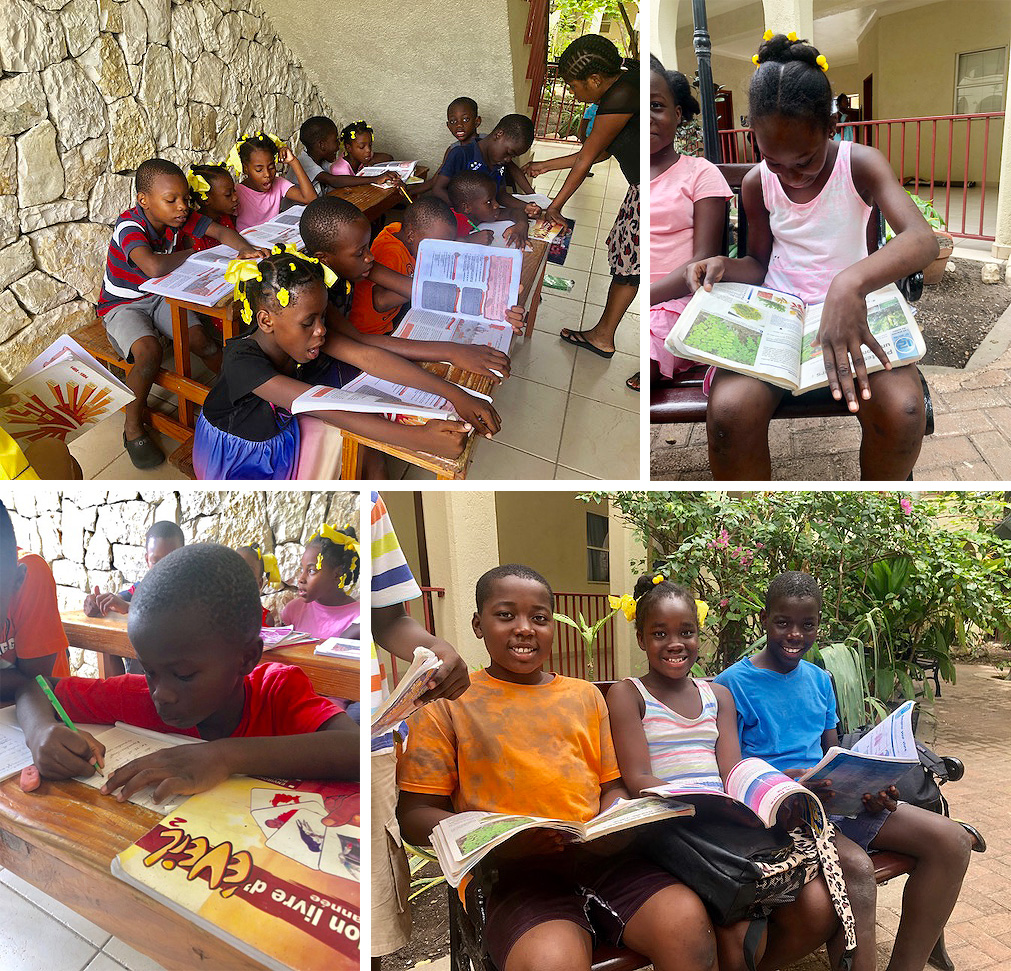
(953, 160)
(568, 656)
(557, 113)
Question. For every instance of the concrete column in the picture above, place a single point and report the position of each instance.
(782, 16)
(462, 544)
(624, 549)
(663, 23)
(1001, 247)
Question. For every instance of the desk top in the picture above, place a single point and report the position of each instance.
(373, 200)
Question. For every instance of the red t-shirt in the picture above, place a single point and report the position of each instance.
(32, 627)
(206, 242)
(280, 700)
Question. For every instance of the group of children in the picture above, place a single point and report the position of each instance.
(549, 901)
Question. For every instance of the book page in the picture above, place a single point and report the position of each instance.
(404, 169)
(14, 753)
(200, 279)
(764, 789)
(498, 230)
(279, 230)
(893, 737)
(536, 197)
(466, 279)
(626, 813)
(424, 325)
(366, 394)
(852, 774)
(403, 699)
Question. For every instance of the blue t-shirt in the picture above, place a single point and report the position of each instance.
(463, 158)
(781, 717)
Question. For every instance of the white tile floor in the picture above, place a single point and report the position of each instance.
(566, 413)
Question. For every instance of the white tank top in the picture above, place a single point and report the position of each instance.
(814, 241)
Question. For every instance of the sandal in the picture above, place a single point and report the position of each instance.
(633, 383)
(143, 452)
(577, 339)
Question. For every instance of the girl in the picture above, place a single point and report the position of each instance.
(212, 194)
(255, 157)
(670, 727)
(595, 72)
(687, 207)
(329, 567)
(357, 141)
(245, 430)
(264, 567)
(807, 205)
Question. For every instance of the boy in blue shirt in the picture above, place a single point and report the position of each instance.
(786, 714)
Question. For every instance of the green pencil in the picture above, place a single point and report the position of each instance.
(54, 701)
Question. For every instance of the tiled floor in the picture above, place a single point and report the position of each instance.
(566, 413)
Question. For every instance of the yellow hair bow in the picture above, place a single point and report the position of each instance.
(269, 562)
(345, 539)
(792, 36)
(754, 59)
(768, 35)
(198, 184)
(703, 608)
(657, 579)
(238, 271)
(329, 277)
(822, 62)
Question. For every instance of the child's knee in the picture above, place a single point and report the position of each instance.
(858, 870)
(733, 418)
(896, 410)
(952, 847)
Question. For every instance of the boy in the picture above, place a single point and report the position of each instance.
(786, 714)
(144, 244)
(195, 623)
(524, 740)
(32, 639)
(473, 196)
(321, 142)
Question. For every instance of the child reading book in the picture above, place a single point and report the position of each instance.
(356, 139)
(807, 205)
(474, 197)
(322, 142)
(255, 157)
(786, 714)
(522, 740)
(213, 194)
(195, 624)
(329, 566)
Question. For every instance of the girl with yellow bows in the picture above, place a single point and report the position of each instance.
(329, 568)
(255, 157)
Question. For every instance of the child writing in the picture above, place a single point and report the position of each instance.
(474, 197)
(255, 158)
(807, 204)
(322, 142)
(524, 740)
(195, 623)
(146, 243)
(787, 715)
(329, 566)
(246, 430)
(671, 727)
(264, 569)
(687, 205)
(357, 141)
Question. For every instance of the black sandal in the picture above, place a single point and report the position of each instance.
(633, 383)
(143, 452)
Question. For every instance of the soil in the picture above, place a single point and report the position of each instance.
(430, 936)
(956, 314)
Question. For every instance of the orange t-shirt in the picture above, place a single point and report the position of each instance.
(388, 251)
(32, 627)
(512, 748)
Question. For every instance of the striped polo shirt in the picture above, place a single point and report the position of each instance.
(123, 278)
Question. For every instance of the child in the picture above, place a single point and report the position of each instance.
(671, 727)
(357, 141)
(807, 205)
(261, 190)
(523, 740)
(246, 429)
(195, 624)
(145, 244)
(321, 139)
(213, 194)
(687, 212)
(786, 714)
(474, 197)
(264, 568)
(32, 640)
(330, 564)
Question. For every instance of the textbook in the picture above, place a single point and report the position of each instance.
(404, 169)
(770, 335)
(282, 636)
(403, 699)
(272, 869)
(370, 395)
(461, 841)
(61, 394)
(200, 279)
(339, 647)
(878, 760)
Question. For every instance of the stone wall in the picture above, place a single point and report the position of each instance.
(89, 89)
(96, 537)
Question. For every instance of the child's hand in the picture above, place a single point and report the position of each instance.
(391, 178)
(533, 210)
(482, 237)
(516, 234)
(177, 771)
(516, 317)
(285, 155)
(885, 799)
(533, 842)
(843, 329)
(533, 169)
(443, 437)
(480, 360)
(113, 602)
(477, 412)
(60, 753)
(91, 604)
(705, 273)
(253, 253)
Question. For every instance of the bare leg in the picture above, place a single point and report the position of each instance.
(893, 423)
(797, 929)
(205, 347)
(147, 355)
(555, 945)
(737, 425)
(730, 946)
(601, 334)
(373, 464)
(858, 872)
(673, 930)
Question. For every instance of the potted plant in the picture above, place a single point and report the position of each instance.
(935, 272)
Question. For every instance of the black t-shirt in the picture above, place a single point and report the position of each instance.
(622, 98)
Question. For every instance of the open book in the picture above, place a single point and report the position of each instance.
(61, 394)
(280, 636)
(375, 396)
(404, 169)
(882, 757)
(463, 840)
(770, 335)
(404, 698)
(341, 647)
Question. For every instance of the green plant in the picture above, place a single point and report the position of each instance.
(926, 206)
(417, 860)
(588, 632)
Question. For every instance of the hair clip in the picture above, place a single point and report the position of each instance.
(319, 562)
(792, 37)
(822, 62)
(754, 59)
(198, 184)
(768, 35)
(657, 579)
(283, 296)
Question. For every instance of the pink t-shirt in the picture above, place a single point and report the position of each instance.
(341, 167)
(319, 620)
(259, 207)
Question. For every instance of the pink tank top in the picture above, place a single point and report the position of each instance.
(813, 241)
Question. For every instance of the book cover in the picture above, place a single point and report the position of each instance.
(273, 869)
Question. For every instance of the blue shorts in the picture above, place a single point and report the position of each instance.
(861, 828)
(219, 455)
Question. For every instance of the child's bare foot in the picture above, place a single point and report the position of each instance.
(584, 339)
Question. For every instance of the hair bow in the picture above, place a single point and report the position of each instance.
(269, 562)
(238, 272)
(198, 184)
(822, 62)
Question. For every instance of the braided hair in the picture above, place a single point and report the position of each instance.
(257, 142)
(281, 275)
(352, 131)
(680, 89)
(790, 82)
(647, 593)
(336, 556)
(207, 173)
(591, 54)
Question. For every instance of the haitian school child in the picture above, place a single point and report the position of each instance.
(523, 740)
(264, 569)
(255, 157)
(356, 139)
(687, 210)
(246, 430)
(212, 194)
(321, 139)
(668, 726)
(786, 714)
(807, 204)
(195, 623)
(32, 640)
(474, 197)
(145, 244)
(329, 566)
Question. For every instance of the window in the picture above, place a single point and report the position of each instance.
(598, 569)
(979, 81)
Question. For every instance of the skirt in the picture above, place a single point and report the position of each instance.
(219, 455)
(623, 240)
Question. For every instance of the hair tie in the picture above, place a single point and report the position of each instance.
(768, 35)
(792, 37)
(290, 249)
(233, 161)
(198, 185)
(822, 62)
(754, 59)
(240, 272)
(658, 579)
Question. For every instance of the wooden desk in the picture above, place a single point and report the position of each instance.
(373, 200)
(331, 676)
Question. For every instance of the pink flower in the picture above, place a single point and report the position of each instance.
(724, 602)
(907, 506)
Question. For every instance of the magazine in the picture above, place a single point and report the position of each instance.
(461, 841)
(559, 238)
(404, 169)
(879, 760)
(272, 869)
(340, 647)
(61, 394)
(768, 334)
(404, 698)
(281, 636)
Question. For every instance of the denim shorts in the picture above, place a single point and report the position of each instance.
(862, 828)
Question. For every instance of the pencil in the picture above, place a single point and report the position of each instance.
(54, 701)
(473, 225)
(407, 195)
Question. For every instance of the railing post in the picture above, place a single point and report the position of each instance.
(703, 53)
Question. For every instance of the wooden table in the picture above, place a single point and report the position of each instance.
(373, 200)
(330, 676)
